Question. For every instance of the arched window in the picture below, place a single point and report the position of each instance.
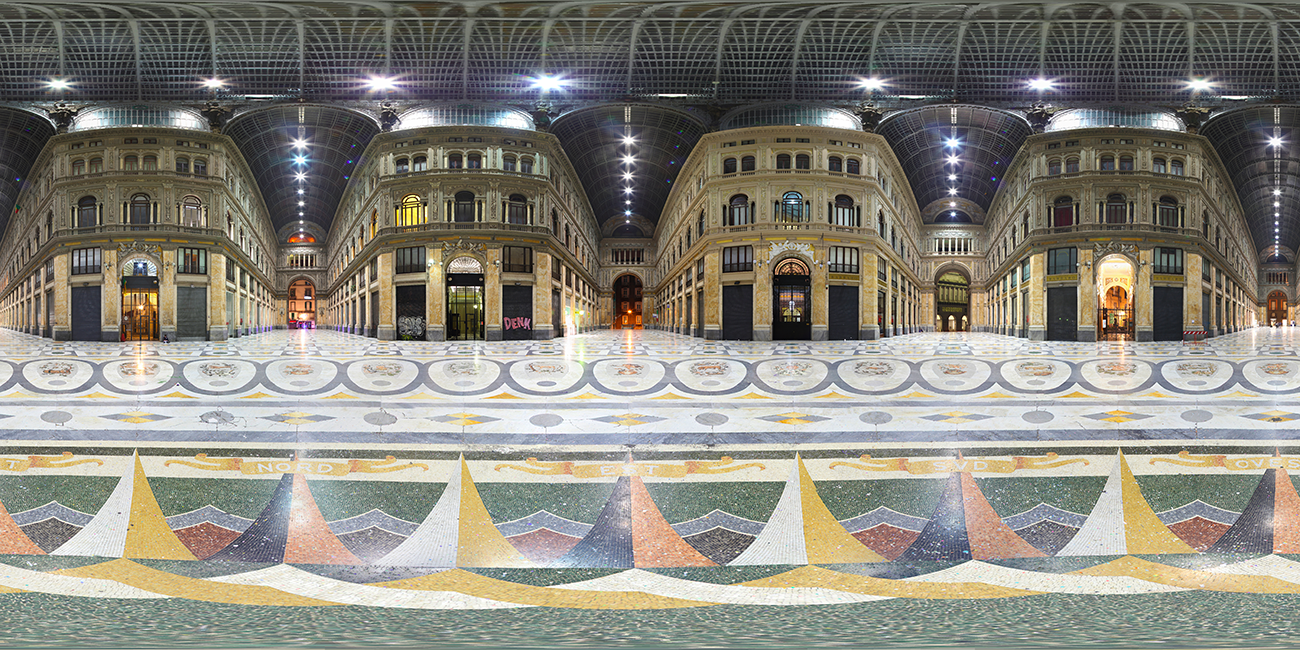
(1053, 167)
(402, 165)
(1107, 163)
(1116, 209)
(517, 210)
(509, 163)
(853, 166)
(140, 213)
(182, 165)
(1176, 167)
(149, 163)
(791, 266)
(1167, 212)
(792, 208)
(844, 214)
(1071, 165)
(802, 161)
(78, 167)
(526, 165)
(1126, 163)
(409, 212)
(200, 167)
(835, 164)
(1063, 212)
(374, 223)
(747, 164)
(473, 161)
(739, 212)
(192, 213)
(130, 163)
(420, 163)
(729, 166)
(87, 212)
(464, 210)
(454, 161)
(1158, 165)
(783, 161)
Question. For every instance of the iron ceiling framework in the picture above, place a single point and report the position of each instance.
(684, 52)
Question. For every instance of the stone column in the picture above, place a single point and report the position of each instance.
(167, 296)
(387, 325)
(868, 330)
(1142, 296)
(62, 325)
(111, 298)
(543, 325)
(1087, 327)
(435, 297)
(820, 295)
(1037, 297)
(216, 297)
(888, 323)
(492, 295)
(762, 301)
(712, 295)
(1192, 294)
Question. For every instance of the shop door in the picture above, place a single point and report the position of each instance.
(842, 313)
(411, 320)
(464, 306)
(139, 315)
(791, 302)
(1167, 313)
(738, 312)
(1062, 314)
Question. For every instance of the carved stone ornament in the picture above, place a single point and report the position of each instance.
(216, 114)
(1100, 249)
(388, 116)
(1039, 115)
(125, 249)
(62, 115)
(787, 246)
(869, 114)
(462, 245)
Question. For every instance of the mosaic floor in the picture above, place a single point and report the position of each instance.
(647, 471)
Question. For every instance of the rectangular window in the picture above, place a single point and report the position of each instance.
(843, 259)
(783, 139)
(737, 258)
(408, 260)
(130, 141)
(1062, 261)
(85, 261)
(745, 142)
(230, 272)
(1169, 261)
(517, 259)
(802, 140)
(150, 141)
(1024, 271)
(193, 260)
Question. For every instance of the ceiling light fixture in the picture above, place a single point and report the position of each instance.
(872, 83)
(546, 83)
(952, 142)
(299, 144)
(953, 160)
(1275, 141)
(1197, 84)
(59, 83)
(213, 83)
(952, 191)
(378, 83)
(1041, 84)
(952, 177)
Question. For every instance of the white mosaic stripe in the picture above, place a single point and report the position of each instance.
(50, 583)
(1057, 583)
(1271, 566)
(782, 540)
(301, 583)
(1103, 533)
(105, 535)
(670, 587)
(435, 542)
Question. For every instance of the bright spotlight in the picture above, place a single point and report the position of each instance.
(952, 191)
(547, 83)
(1275, 142)
(1041, 84)
(300, 176)
(627, 139)
(59, 83)
(213, 83)
(629, 159)
(952, 177)
(952, 143)
(300, 160)
(953, 160)
(299, 144)
(378, 83)
(872, 83)
(1198, 84)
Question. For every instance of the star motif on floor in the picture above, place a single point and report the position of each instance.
(297, 417)
(629, 419)
(956, 417)
(1274, 416)
(1117, 416)
(463, 419)
(794, 418)
(136, 417)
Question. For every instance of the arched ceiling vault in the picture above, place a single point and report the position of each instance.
(1263, 174)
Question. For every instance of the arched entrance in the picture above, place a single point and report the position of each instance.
(464, 299)
(1277, 308)
(1115, 313)
(139, 299)
(302, 305)
(791, 301)
(952, 302)
(627, 302)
